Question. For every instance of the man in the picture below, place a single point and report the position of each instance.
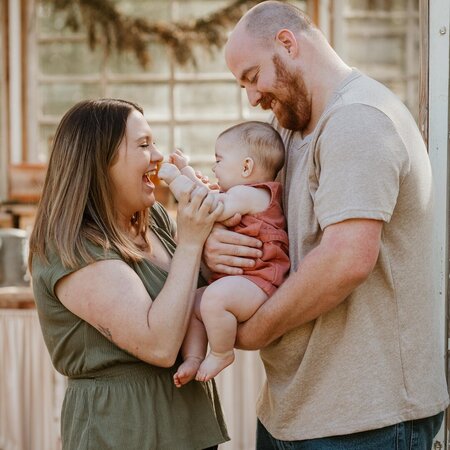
(349, 342)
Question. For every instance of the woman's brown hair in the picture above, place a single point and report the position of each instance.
(76, 204)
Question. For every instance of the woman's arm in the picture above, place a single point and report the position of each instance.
(110, 296)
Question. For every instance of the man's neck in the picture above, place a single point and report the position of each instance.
(322, 94)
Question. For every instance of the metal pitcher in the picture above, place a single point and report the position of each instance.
(13, 257)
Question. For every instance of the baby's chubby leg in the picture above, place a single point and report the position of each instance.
(224, 304)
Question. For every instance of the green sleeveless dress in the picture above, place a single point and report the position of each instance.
(114, 400)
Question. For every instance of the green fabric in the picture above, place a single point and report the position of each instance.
(114, 400)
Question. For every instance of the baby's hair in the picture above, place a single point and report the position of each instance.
(263, 143)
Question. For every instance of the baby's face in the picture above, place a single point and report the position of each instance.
(230, 157)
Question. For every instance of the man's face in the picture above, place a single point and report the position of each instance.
(288, 99)
(268, 81)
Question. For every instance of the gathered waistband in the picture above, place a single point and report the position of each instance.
(130, 372)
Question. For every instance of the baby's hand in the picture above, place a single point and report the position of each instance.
(178, 158)
(204, 179)
(168, 172)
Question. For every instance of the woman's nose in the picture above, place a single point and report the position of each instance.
(156, 155)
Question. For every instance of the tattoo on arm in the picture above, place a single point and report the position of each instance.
(148, 314)
(105, 332)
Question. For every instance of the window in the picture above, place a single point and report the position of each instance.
(381, 38)
(186, 108)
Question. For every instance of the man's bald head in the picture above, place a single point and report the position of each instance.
(264, 20)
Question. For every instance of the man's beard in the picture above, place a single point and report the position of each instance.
(293, 110)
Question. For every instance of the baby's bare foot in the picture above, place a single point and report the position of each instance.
(187, 370)
(168, 172)
(213, 364)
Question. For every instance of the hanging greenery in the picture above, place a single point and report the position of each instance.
(108, 27)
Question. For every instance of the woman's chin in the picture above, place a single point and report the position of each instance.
(151, 201)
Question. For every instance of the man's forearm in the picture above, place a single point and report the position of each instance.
(304, 296)
(325, 278)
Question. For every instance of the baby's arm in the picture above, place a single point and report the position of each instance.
(237, 200)
(242, 200)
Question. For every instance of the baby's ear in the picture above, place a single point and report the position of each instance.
(247, 167)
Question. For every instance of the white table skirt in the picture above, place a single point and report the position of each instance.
(31, 391)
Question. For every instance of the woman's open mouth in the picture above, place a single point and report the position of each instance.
(149, 174)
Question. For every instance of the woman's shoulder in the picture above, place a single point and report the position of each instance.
(47, 271)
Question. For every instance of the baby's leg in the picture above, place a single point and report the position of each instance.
(224, 304)
(194, 346)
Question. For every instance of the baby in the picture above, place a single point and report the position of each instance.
(248, 158)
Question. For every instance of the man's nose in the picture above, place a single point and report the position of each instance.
(254, 96)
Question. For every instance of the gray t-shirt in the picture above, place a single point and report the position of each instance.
(375, 359)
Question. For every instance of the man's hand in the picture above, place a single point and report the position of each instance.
(228, 252)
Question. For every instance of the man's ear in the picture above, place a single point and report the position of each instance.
(288, 41)
(247, 167)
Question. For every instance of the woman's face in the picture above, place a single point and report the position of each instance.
(136, 161)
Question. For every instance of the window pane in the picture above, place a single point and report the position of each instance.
(69, 58)
(154, 98)
(382, 39)
(206, 100)
(127, 63)
(161, 136)
(149, 10)
(198, 140)
(183, 10)
(212, 61)
(46, 135)
(383, 50)
(378, 5)
(57, 98)
(49, 23)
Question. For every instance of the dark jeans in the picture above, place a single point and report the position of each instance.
(411, 435)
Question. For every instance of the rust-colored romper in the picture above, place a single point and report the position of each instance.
(270, 227)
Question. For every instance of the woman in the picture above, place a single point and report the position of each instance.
(113, 294)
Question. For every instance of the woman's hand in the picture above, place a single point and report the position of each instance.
(228, 252)
(198, 210)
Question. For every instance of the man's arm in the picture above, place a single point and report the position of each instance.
(328, 274)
